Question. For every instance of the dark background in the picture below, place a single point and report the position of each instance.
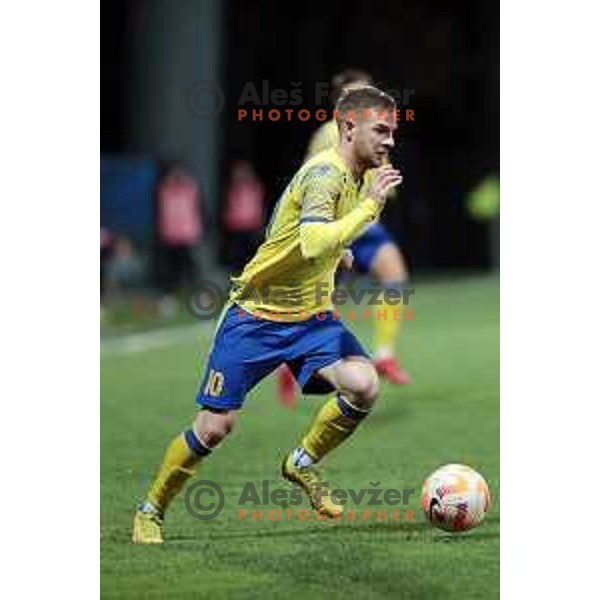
(447, 52)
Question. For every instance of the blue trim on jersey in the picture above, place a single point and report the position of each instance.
(315, 220)
(245, 350)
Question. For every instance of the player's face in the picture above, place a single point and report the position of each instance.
(374, 138)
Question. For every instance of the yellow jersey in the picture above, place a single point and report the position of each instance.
(320, 213)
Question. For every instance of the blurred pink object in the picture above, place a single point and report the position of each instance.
(245, 198)
(106, 238)
(179, 219)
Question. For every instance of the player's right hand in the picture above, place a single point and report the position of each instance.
(385, 178)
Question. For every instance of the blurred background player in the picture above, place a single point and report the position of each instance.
(179, 227)
(243, 218)
(374, 253)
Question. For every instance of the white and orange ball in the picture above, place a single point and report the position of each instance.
(455, 498)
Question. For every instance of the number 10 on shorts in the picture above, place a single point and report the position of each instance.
(214, 383)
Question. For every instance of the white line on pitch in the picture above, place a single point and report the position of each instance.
(142, 342)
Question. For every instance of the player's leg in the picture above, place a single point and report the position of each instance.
(184, 453)
(182, 456)
(222, 392)
(357, 385)
(327, 358)
(286, 386)
(389, 268)
(376, 253)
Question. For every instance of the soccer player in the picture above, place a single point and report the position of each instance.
(322, 211)
(374, 252)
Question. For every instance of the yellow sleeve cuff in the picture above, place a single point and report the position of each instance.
(371, 206)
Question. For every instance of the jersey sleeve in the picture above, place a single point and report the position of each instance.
(321, 188)
(320, 232)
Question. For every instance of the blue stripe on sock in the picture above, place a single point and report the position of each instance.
(195, 444)
(348, 410)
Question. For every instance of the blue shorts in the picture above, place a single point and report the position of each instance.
(244, 351)
(367, 245)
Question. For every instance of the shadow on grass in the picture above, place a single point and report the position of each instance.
(419, 531)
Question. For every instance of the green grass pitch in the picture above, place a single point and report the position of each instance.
(449, 414)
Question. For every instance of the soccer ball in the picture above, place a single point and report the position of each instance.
(455, 498)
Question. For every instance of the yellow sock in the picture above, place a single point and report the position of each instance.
(182, 455)
(387, 328)
(336, 421)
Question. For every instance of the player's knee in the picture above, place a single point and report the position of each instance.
(365, 388)
(212, 426)
(389, 264)
(370, 388)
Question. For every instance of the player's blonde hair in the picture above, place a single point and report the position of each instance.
(360, 99)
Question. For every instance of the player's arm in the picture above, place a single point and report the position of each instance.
(319, 233)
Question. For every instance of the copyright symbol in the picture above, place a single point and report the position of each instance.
(204, 301)
(204, 500)
(204, 99)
